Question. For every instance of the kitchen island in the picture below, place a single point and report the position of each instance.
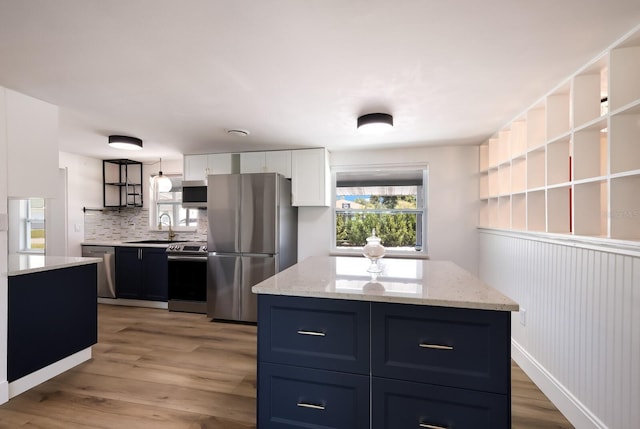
(422, 344)
(52, 317)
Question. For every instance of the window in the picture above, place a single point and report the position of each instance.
(166, 207)
(393, 201)
(32, 225)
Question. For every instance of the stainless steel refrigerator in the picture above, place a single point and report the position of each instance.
(252, 236)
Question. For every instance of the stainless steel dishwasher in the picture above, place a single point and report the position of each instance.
(106, 270)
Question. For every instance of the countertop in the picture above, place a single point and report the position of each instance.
(405, 281)
(163, 245)
(27, 264)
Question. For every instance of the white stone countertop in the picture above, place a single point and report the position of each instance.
(26, 264)
(404, 281)
(164, 244)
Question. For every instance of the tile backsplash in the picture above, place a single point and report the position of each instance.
(133, 224)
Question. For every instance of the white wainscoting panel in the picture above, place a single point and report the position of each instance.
(582, 325)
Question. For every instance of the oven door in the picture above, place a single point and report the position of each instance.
(188, 283)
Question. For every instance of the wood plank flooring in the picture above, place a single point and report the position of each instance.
(158, 369)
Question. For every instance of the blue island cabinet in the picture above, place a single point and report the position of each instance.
(335, 363)
(52, 315)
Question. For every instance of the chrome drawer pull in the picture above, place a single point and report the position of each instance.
(312, 333)
(424, 425)
(312, 406)
(436, 347)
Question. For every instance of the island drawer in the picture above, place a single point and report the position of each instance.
(402, 404)
(314, 332)
(455, 347)
(291, 397)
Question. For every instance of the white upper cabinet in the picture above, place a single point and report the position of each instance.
(198, 167)
(221, 163)
(310, 177)
(253, 162)
(195, 167)
(32, 146)
(277, 161)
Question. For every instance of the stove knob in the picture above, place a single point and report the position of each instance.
(204, 248)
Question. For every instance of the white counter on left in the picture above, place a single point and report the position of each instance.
(20, 264)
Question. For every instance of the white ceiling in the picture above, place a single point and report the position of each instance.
(295, 73)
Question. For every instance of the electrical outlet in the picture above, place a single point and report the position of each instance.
(523, 317)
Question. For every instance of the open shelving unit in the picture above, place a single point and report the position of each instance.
(570, 164)
(122, 183)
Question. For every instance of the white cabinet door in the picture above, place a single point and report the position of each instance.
(310, 177)
(253, 162)
(195, 167)
(32, 146)
(220, 163)
(279, 161)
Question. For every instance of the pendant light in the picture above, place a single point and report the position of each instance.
(161, 182)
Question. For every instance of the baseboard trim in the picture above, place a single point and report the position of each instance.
(574, 410)
(4, 391)
(27, 382)
(134, 303)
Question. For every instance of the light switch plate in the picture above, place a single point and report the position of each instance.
(4, 221)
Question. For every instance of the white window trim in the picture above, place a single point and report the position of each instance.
(421, 254)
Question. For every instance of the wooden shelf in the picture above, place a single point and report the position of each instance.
(625, 208)
(570, 164)
(536, 211)
(536, 169)
(558, 113)
(625, 140)
(590, 93)
(590, 208)
(590, 151)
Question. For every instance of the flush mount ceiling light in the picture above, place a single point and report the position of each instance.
(125, 142)
(237, 132)
(374, 123)
(161, 182)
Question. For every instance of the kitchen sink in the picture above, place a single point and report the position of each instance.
(152, 241)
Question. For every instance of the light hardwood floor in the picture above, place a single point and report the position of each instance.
(158, 369)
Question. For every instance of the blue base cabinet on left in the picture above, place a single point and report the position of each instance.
(332, 363)
(52, 315)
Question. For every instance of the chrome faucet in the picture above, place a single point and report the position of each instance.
(171, 233)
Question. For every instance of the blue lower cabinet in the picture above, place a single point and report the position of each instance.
(402, 404)
(294, 397)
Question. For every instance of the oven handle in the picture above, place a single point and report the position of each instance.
(186, 258)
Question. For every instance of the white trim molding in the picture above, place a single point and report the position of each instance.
(29, 381)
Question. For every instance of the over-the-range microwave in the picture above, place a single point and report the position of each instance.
(194, 194)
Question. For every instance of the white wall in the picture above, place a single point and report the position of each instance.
(84, 189)
(581, 339)
(4, 385)
(32, 142)
(452, 210)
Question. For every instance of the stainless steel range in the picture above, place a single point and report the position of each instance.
(188, 277)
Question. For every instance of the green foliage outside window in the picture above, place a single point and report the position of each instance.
(394, 230)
